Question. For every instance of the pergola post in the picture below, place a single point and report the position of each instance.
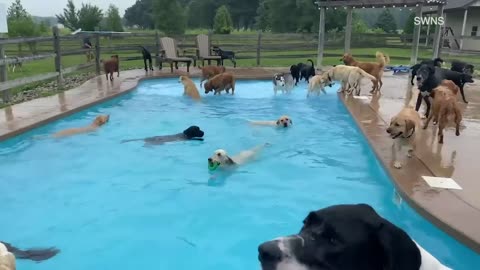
(438, 34)
(427, 38)
(321, 37)
(416, 37)
(465, 14)
(348, 30)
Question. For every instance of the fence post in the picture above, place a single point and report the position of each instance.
(97, 52)
(3, 75)
(157, 49)
(58, 55)
(259, 43)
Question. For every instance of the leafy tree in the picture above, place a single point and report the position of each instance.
(262, 20)
(201, 13)
(359, 25)
(89, 17)
(140, 14)
(386, 21)
(169, 17)
(113, 21)
(69, 18)
(16, 11)
(410, 25)
(20, 23)
(222, 23)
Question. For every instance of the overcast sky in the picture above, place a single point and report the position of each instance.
(46, 8)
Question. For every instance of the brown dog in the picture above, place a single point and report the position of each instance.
(402, 130)
(112, 65)
(210, 71)
(189, 88)
(374, 69)
(444, 107)
(224, 81)
(99, 121)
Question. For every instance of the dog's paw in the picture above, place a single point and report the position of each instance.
(423, 116)
(457, 133)
(397, 165)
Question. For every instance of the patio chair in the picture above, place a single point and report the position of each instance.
(204, 52)
(169, 54)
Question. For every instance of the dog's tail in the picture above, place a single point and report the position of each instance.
(37, 254)
(366, 75)
(310, 60)
(382, 59)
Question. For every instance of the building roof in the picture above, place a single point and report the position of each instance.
(452, 5)
(379, 3)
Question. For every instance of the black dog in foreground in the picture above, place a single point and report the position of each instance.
(191, 133)
(462, 67)
(437, 62)
(427, 79)
(37, 254)
(147, 56)
(302, 71)
(225, 55)
(345, 237)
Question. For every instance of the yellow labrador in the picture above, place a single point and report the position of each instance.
(402, 130)
(349, 76)
(221, 158)
(98, 122)
(284, 121)
(7, 259)
(316, 85)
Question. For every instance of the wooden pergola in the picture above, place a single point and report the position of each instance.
(350, 5)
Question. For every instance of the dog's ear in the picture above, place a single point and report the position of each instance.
(409, 125)
(312, 218)
(290, 120)
(278, 122)
(230, 161)
(431, 69)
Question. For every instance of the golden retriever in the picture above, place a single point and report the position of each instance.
(98, 122)
(7, 259)
(224, 81)
(284, 121)
(445, 107)
(221, 158)
(316, 84)
(189, 88)
(402, 130)
(112, 65)
(349, 76)
(374, 69)
(210, 71)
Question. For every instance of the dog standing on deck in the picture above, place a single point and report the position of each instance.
(349, 76)
(283, 82)
(225, 55)
(110, 66)
(147, 56)
(374, 69)
(402, 130)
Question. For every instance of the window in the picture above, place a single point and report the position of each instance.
(474, 31)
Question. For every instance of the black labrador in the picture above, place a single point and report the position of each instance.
(295, 71)
(459, 78)
(35, 254)
(346, 237)
(306, 71)
(462, 67)
(191, 133)
(147, 56)
(225, 55)
(437, 62)
(427, 79)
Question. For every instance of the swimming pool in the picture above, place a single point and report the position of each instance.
(108, 205)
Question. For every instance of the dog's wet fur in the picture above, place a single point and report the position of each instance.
(191, 133)
(34, 254)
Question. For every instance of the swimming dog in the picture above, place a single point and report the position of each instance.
(191, 133)
(98, 122)
(283, 121)
(222, 159)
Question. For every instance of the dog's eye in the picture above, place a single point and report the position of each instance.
(397, 125)
(219, 155)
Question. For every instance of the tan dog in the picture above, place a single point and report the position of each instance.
(444, 108)
(7, 259)
(349, 76)
(189, 88)
(374, 69)
(210, 71)
(221, 157)
(98, 122)
(112, 65)
(402, 131)
(316, 84)
(283, 121)
(224, 81)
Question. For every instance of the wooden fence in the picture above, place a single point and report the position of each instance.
(254, 49)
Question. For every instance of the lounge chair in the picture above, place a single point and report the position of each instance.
(169, 54)
(204, 52)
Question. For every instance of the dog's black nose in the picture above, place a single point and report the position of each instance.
(209, 159)
(419, 78)
(269, 252)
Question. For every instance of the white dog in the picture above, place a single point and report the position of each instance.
(349, 76)
(316, 84)
(284, 121)
(283, 82)
(7, 259)
(221, 158)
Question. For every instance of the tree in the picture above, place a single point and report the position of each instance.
(386, 21)
(262, 20)
(201, 13)
(169, 17)
(89, 17)
(410, 25)
(69, 18)
(359, 25)
(20, 23)
(222, 23)
(113, 21)
(140, 14)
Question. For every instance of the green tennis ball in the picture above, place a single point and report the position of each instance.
(213, 166)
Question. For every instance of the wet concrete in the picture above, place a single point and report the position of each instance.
(455, 211)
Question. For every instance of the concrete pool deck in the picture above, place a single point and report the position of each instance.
(455, 211)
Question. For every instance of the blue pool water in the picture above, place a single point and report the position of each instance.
(108, 205)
